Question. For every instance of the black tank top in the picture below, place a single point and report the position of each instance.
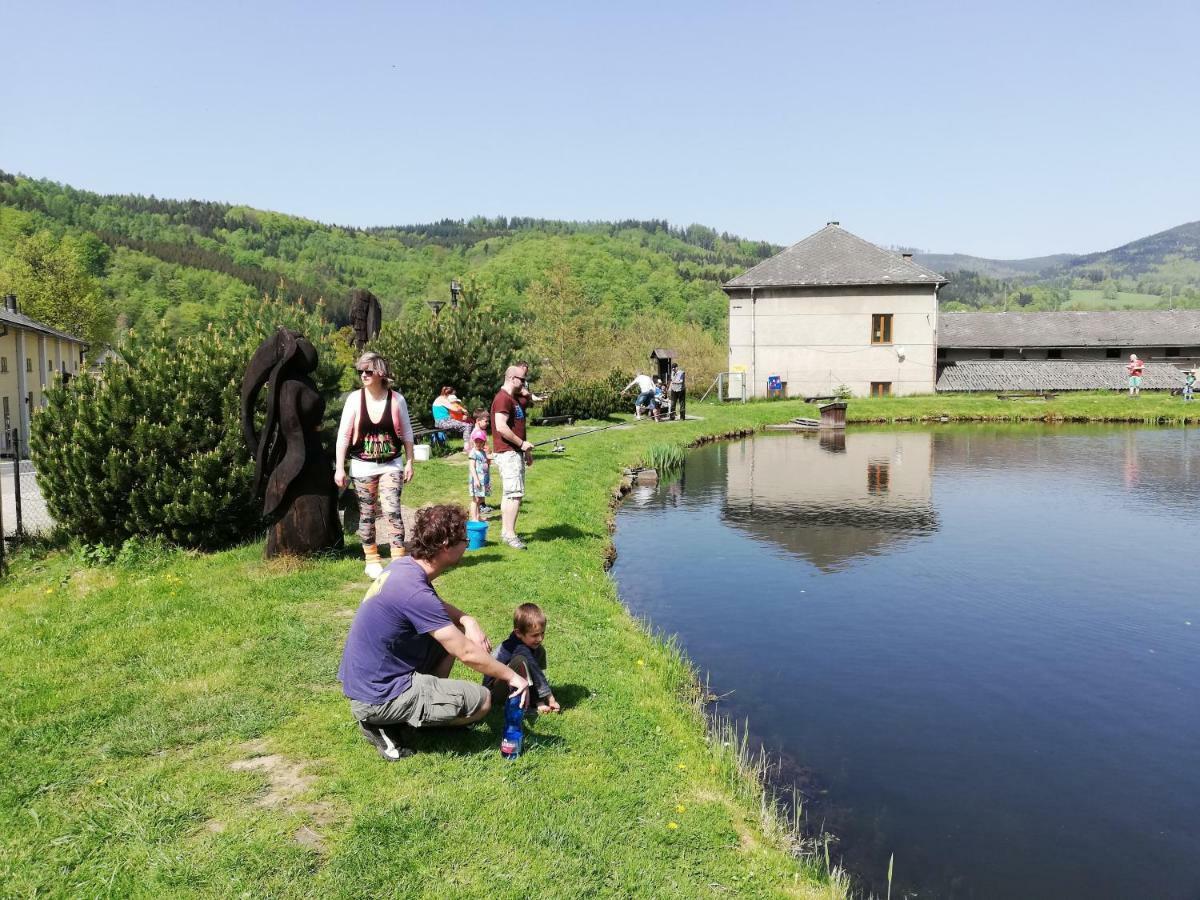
(377, 441)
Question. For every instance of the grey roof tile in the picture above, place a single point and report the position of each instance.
(1116, 328)
(1051, 375)
(834, 256)
(19, 319)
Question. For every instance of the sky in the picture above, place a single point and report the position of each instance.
(1003, 130)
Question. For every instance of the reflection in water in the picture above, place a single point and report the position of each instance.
(977, 649)
(874, 491)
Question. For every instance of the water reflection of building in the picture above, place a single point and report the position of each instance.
(832, 498)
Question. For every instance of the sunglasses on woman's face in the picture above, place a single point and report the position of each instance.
(371, 372)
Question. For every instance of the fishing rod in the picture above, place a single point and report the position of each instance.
(557, 441)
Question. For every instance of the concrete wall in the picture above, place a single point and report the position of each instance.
(817, 339)
(29, 363)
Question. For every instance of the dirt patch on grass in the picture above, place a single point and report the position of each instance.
(748, 841)
(286, 783)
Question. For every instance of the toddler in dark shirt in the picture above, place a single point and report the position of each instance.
(524, 645)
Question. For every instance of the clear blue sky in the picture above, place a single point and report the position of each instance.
(1002, 129)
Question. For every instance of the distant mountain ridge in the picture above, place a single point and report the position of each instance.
(1144, 256)
(993, 268)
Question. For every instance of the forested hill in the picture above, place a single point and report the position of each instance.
(1160, 271)
(188, 261)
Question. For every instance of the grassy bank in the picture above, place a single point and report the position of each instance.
(1154, 408)
(174, 726)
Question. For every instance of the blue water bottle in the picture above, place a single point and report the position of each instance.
(514, 730)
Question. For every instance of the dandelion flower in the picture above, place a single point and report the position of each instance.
(49, 590)
(680, 808)
(641, 662)
(682, 766)
(672, 825)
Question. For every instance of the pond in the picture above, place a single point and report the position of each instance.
(977, 648)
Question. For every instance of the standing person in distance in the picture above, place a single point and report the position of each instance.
(374, 426)
(511, 452)
(1135, 367)
(678, 395)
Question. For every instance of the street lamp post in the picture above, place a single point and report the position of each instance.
(455, 291)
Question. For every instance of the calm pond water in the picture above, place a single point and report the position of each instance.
(977, 648)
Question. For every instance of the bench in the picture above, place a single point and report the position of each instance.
(820, 399)
(434, 435)
(555, 420)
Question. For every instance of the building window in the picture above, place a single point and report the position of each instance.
(881, 328)
(3, 363)
(995, 354)
(1172, 351)
(881, 389)
(1054, 354)
(28, 364)
(879, 477)
(1110, 353)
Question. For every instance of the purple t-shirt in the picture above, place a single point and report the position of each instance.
(390, 636)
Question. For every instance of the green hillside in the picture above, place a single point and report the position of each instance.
(158, 245)
(1161, 271)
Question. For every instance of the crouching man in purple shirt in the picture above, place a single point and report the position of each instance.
(404, 639)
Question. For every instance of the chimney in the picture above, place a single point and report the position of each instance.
(10, 302)
(838, 224)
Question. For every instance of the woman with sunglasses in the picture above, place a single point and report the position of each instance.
(374, 425)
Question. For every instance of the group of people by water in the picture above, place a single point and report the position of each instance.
(405, 637)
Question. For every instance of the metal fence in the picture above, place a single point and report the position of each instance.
(23, 511)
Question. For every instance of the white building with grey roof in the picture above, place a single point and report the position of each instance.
(835, 311)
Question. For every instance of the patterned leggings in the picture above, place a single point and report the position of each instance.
(375, 491)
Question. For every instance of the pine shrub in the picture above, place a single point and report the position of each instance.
(589, 399)
(151, 447)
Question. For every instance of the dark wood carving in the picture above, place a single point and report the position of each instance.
(366, 315)
(292, 473)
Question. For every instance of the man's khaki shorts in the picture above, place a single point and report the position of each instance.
(511, 464)
(429, 701)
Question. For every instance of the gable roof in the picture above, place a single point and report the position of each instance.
(20, 320)
(1051, 375)
(1115, 328)
(833, 256)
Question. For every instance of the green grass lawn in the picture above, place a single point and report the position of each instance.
(1125, 300)
(174, 727)
(1092, 406)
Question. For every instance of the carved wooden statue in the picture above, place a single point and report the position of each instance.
(365, 317)
(292, 472)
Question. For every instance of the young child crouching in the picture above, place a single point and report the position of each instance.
(479, 476)
(524, 646)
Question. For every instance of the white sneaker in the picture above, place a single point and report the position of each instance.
(373, 570)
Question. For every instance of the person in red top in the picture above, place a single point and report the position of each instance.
(512, 452)
(1135, 367)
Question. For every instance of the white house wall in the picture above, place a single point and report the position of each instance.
(818, 339)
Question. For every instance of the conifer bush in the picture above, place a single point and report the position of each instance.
(151, 447)
(589, 399)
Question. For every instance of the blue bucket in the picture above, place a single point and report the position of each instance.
(476, 535)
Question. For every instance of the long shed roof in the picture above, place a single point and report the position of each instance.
(1051, 375)
(1115, 328)
(834, 256)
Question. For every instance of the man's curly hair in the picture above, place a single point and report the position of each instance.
(437, 527)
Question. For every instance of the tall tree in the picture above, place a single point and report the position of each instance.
(51, 280)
